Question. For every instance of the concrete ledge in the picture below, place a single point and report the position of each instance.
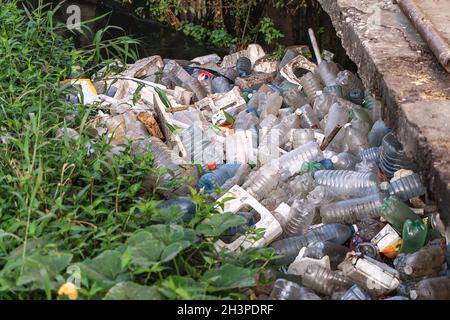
(397, 66)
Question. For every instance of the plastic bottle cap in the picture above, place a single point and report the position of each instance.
(354, 228)
(408, 270)
(212, 166)
(413, 294)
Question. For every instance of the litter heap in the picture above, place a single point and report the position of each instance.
(303, 153)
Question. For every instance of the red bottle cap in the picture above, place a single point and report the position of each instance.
(212, 166)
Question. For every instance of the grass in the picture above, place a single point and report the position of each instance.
(67, 212)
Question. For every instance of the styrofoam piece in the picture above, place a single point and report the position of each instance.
(89, 92)
(255, 52)
(222, 101)
(267, 64)
(288, 71)
(268, 222)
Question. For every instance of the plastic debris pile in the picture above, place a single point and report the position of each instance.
(303, 154)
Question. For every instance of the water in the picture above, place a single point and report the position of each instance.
(156, 38)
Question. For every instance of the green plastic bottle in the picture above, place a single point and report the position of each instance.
(396, 212)
(414, 236)
(361, 114)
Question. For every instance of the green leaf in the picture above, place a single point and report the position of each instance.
(106, 269)
(132, 291)
(229, 277)
(218, 223)
(162, 95)
(177, 287)
(229, 118)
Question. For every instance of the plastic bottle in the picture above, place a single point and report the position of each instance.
(328, 72)
(334, 90)
(344, 161)
(163, 156)
(432, 289)
(348, 81)
(308, 118)
(425, 262)
(334, 251)
(180, 77)
(293, 161)
(271, 106)
(324, 281)
(377, 133)
(263, 181)
(301, 137)
(323, 103)
(210, 180)
(338, 115)
(372, 154)
(356, 293)
(294, 98)
(289, 248)
(369, 228)
(356, 96)
(302, 185)
(367, 166)
(300, 218)
(396, 212)
(320, 196)
(414, 236)
(287, 290)
(352, 210)
(220, 85)
(408, 187)
(393, 156)
(267, 123)
(368, 249)
(244, 67)
(348, 183)
(355, 140)
(233, 233)
(311, 85)
(184, 204)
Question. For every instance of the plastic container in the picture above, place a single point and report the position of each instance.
(244, 67)
(377, 133)
(372, 154)
(328, 72)
(287, 290)
(356, 293)
(408, 187)
(414, 236)
(324, 281)
(396, 212)
(352, 210)
(289, 248)
(308, 118)
(293, 161)
(338, 115)
(432, 289)
(212, 179)
(426, 262)
(348, 183)
(300, 218)
(311, 85)
(334, 251)
(344, 161)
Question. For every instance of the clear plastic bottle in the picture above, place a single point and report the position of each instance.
(163, 156)
(372, 154)
(293, 161)
(356, 293)
(184, 204)
(311, 85)
(294, 98)
(302, 185)
(267, 123)
(244, 67)
(338, 115)
(263, 181)
(396, 212)
(348, 183)
(324, 281)
(357, 96)
(287, 290)
(308, 118)
(425, 262)
(220, 85)
(393, 156)
(348, 81)
(289, 248)
(367, 166)
(328, 72)
(344, 161)
(271, 106)
(301, 137)
(352, 210)
(181, 77)
(334, 90)
(377, 133)
(334, 251)
(355, 140)
(210, 180)
(321, 195)
(408, 187)
(300, 218)
(432, 289)
(323, 103)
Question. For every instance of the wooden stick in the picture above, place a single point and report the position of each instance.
(316, 48)
(326, 142)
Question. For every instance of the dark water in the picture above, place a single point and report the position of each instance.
(156, 39)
